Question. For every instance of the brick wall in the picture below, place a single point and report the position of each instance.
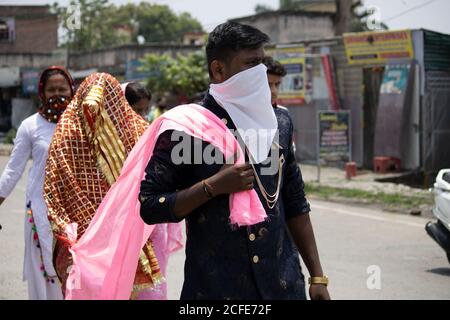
(36, 30)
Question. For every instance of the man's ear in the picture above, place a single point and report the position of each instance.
(217, 71)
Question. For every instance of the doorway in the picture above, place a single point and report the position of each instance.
(372, 78)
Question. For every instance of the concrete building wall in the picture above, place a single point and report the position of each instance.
(115, 59)
(33, 60)
(320, 6)
(292, 26)
(35, 29)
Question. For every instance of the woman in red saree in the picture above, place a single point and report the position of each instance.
(89, 147)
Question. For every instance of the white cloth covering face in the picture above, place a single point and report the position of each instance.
(33, 139)
(247, 99)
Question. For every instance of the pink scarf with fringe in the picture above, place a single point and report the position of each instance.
(105, 258)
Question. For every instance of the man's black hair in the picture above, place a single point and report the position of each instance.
(231, 37)
(274, 67)
(135, 92)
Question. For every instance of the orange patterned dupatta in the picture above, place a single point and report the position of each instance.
(90, 145)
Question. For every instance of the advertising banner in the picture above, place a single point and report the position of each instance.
(378, 47)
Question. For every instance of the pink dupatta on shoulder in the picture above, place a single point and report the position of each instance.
(105, 258)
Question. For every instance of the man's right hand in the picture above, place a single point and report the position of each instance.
(231, 178)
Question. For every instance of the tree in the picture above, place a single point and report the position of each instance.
(103, 24)
(361, 16)
(259, 8)
(344, 17)
(290, 4)
(351, 15)
(182, 76)
(186, 23)
(157, 23)
(94, 30)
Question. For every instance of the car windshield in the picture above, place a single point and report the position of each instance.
(446, 177)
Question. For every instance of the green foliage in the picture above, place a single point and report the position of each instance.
(359, 14)
(290, 4)
(259, 8)
(183, 75)
(157, 23)
(10, 136)
(389, 201)
(95, 25)
(104, 24)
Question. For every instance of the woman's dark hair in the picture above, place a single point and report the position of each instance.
(50, 73)
(135, 92)
(274, 67)
(230, 37)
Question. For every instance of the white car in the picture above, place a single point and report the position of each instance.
(440, 231)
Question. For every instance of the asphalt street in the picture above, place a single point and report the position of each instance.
(367, 254)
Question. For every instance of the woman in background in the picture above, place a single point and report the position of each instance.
(33, 140)
(138, 98)
(88, 150)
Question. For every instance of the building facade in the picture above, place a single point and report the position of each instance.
(284, 26)
(28, 29)
(28, 41)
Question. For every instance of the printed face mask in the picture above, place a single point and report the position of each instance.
(54, 108)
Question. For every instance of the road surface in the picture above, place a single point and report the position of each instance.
(367, 254)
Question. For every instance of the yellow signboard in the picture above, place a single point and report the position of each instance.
(378, 47)
(295, 84)
(293, 87)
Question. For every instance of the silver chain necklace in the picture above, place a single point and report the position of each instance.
(271, 199)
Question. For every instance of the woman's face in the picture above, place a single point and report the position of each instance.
(57, 85)
(142, 107)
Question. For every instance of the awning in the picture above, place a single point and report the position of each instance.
(9, 77)
(81, 74)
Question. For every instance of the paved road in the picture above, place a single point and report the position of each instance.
(405, 263)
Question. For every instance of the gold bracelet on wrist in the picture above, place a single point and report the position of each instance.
(205, 188)
(319, 280)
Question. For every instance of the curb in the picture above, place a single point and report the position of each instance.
(424, 211)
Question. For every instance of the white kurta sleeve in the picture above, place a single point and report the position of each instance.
(17, 162)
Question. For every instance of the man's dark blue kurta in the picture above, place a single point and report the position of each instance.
(223, 261)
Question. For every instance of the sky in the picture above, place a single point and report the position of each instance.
(433, 14)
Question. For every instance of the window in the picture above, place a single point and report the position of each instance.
(4, 31)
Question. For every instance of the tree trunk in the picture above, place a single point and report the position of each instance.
(343, 16)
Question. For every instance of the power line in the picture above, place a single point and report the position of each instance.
(409, 10)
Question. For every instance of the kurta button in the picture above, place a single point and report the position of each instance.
(255, 259)
(262, 232)
(225, 121)
(252, 237)
(162, 200)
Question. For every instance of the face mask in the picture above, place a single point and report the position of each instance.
(247, 99)
(54, 108)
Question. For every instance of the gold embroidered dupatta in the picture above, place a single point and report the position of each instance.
(90, 145)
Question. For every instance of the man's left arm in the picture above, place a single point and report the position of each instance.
(298, 221)
(302, 233)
